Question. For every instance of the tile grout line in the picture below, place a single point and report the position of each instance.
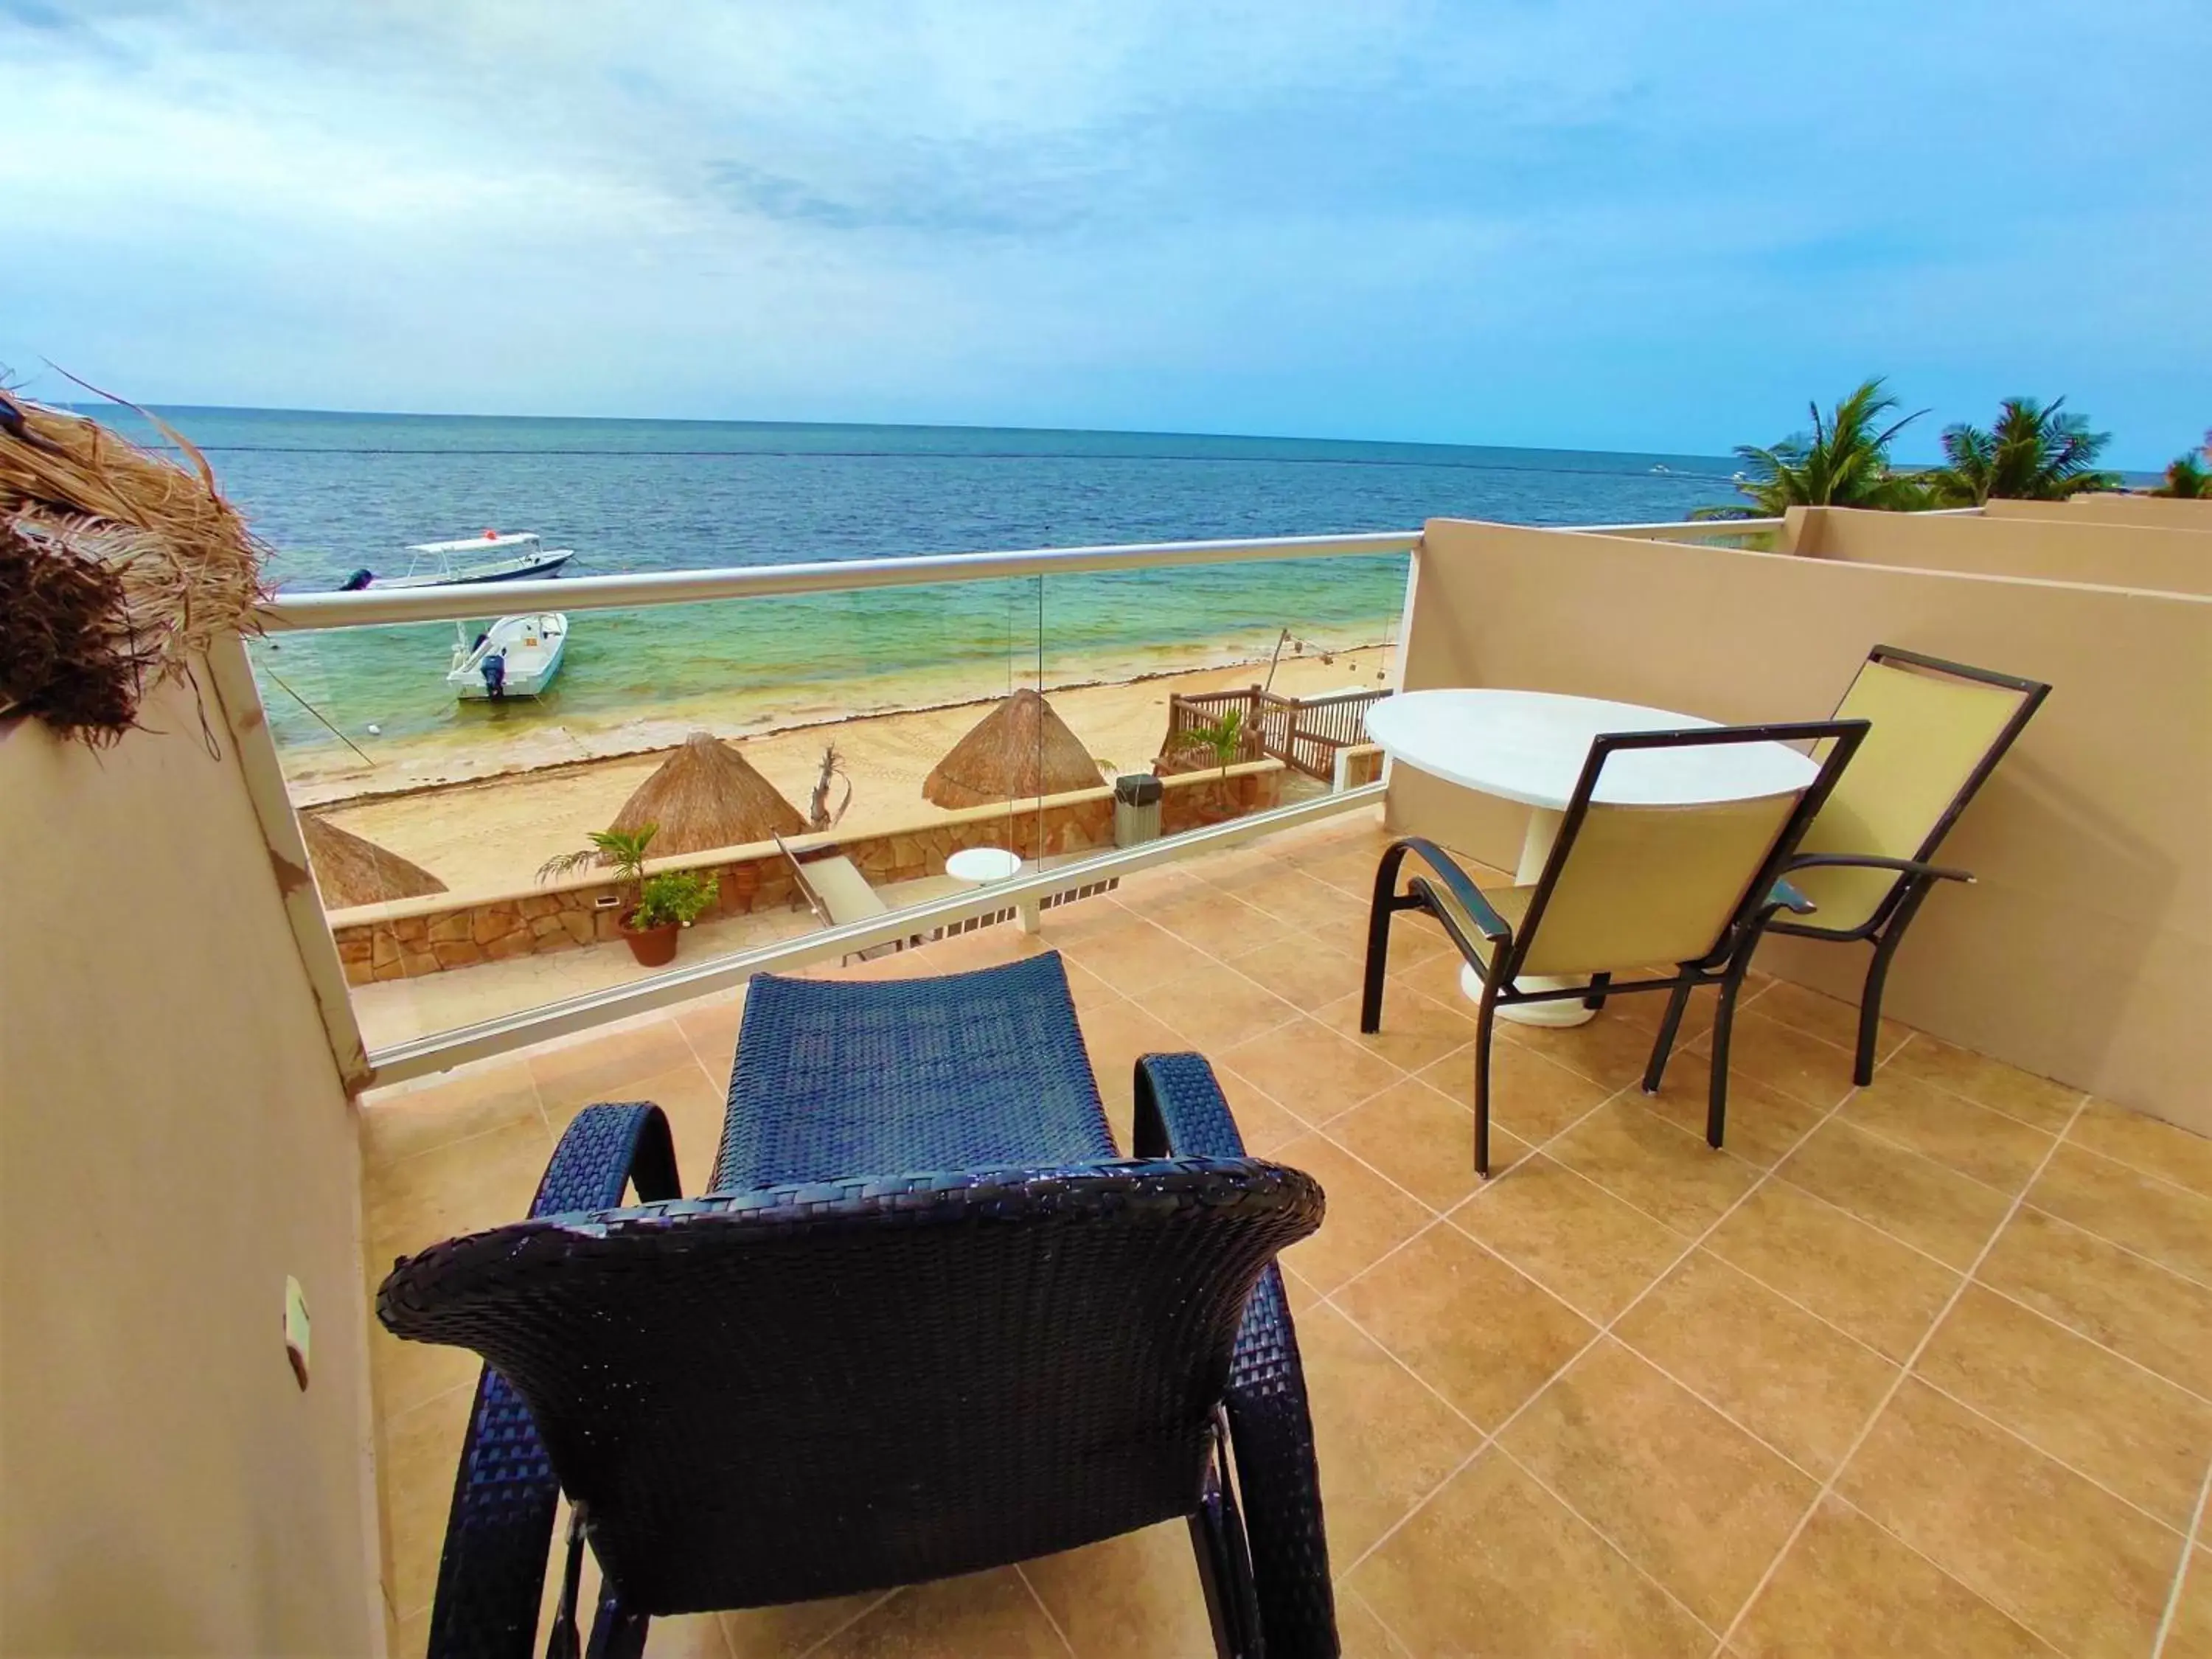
(1896, 1383)
(839, 1629)
(2181, 1572)
(1021, 1574)
(1944, 1573)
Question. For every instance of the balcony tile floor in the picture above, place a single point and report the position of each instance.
(1922, 1368)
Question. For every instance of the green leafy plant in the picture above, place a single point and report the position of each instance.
(623, 848)
(2186, 478)
(676, 895)
(1224, 737)
(2034, 454)
(1844, 463)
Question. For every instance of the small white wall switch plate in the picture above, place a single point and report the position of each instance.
(295, 1329)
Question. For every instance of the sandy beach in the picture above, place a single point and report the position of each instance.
(484, 833)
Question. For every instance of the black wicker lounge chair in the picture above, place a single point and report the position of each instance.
(928, 1323)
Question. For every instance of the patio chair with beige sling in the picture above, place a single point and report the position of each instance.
(1624, 887)
(838, 893)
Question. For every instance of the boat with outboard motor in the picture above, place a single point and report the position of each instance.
(491, 557)
(516, 657)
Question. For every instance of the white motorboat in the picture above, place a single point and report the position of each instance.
(491, 557)
(516, 657)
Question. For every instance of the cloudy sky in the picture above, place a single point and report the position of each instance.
(1600, 223)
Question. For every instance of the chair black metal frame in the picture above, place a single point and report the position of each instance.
(1497, 955)
(1917, 875)
(752, 1397)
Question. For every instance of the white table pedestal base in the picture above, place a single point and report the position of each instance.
(1535, 853)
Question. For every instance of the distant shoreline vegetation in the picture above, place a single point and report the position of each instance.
(2032, 452)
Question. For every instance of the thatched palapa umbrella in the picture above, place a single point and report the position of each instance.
(704, 795)
(1020, 748)
(350, 871)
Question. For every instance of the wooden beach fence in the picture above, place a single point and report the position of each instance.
(706, 795)
(1304, 733)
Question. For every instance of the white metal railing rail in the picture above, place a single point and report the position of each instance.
(297, 611)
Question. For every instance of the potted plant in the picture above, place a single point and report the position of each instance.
(658, 906)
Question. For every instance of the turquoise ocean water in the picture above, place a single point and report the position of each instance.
(334, 492)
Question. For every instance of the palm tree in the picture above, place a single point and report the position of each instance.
(1846, 463)
(2031, 454)
(2186, 477)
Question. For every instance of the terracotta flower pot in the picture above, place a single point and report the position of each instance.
(653, 947)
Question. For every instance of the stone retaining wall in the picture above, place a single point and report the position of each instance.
(408, 938)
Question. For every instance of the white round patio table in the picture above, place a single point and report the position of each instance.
(1530, 747)
(982, 864)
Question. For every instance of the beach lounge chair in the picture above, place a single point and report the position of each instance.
(927, 1322)
(1939, 729)
(1624, 887)
(838, 893)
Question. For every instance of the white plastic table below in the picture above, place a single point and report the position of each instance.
(1530, 747)
(985, 865)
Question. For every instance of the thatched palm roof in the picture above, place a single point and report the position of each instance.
(350, 871)
(1020, 748)
(704, 795)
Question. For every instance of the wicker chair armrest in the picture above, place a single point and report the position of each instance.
(1181, 1110)
(491, 1575)
(1271, 1435)
(1873, 861)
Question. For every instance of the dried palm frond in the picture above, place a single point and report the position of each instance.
(117, 566)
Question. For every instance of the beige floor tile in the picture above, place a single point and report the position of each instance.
(405, 1373)
(1482, 1335)
(1800, 1385)
(1533, 1096)
(2072, 1563)
(1310, 1069)
(1611, 1050)
(1415, 937)
(397, 1123)
(1417, 1032)
(600, 1068)
(2190, 1637)
(1830, 1018)
(1991, 1083)
(789, 1630)
(1381, 1440)
(1135, 956)
(991, 1613)
(1495, 1567)
(409, 1638)
(2168, 1224)
(1693, 1500)
(1998, 1151)
(1114, 1035)
(1367, 1216)
(1637, 1156)
(1848, 1587)
(422, 1448)
(1265, 1126)
(462, 1187)
(1848, 1273)
(1919, 1201)
(1220, 924)
(1763, 1124)
(2121, 1425)
(1572, 1236)
(1305, 902)
(1780, 1056)
(1132, 1597)
(710, 1025)
(2165, 1150)
(1085, 989)
(1294, 971)
(2154, 1318)
(1434, 974)
(1359, 1632)
(1215, 1008)
(1424, 1141)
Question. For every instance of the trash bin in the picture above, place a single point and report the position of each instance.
(1136, 809)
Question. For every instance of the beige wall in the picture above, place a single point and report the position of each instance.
(2066, 549)
(173, 1141)
(2081, 953)
(2112, 508)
